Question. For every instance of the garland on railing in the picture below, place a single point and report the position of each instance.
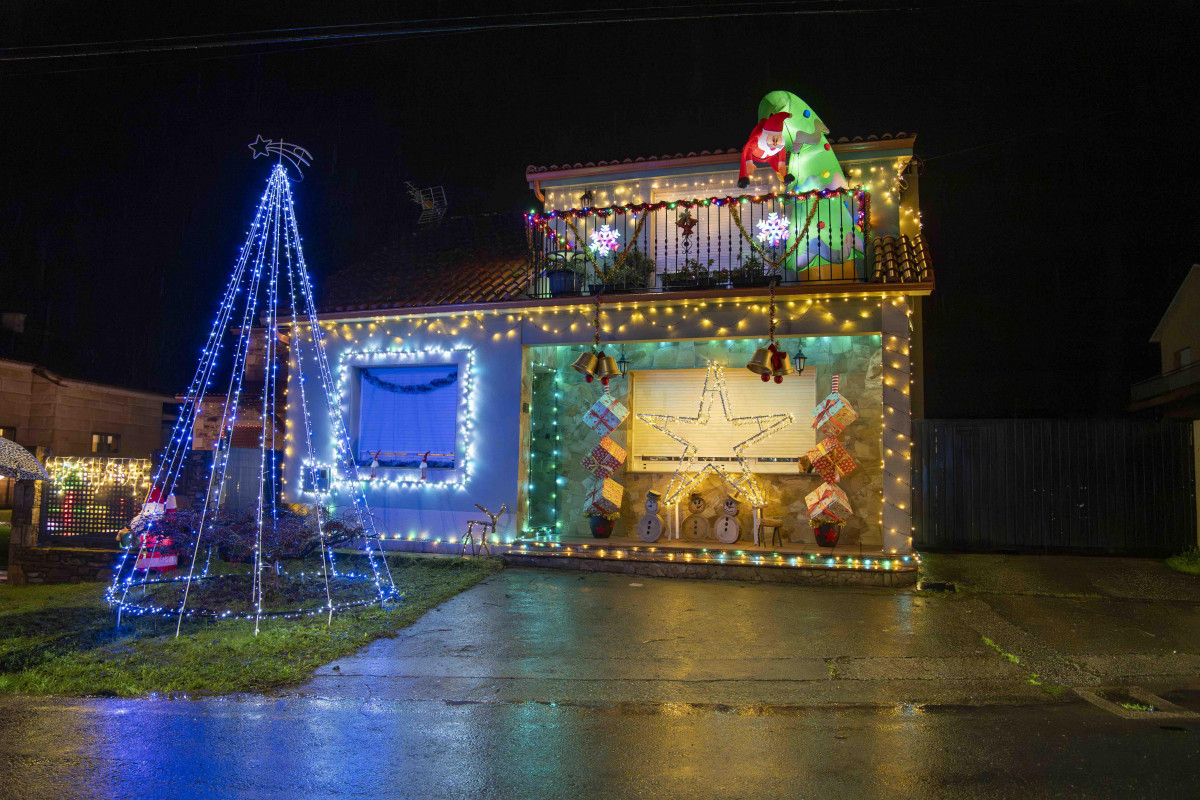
(416, 388)
(775, 263)
(638, 208)
(620, 260)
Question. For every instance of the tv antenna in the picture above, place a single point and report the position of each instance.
(432, 202)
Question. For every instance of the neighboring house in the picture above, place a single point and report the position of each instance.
(70, 417)
(1176, 391)
(236, 427)
(244, 427)
(459, 342)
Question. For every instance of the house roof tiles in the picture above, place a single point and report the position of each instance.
(470, 259)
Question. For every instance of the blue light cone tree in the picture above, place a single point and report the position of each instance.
(270, 283)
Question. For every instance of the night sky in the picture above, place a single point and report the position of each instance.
(1061, 194)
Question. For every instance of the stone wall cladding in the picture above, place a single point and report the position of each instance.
(33, 565)
(858, 360)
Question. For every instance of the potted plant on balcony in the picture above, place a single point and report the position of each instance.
(638, 268)
(691, 275)
(630, 273)
(751, 271)
(564, 273)
(564, 276)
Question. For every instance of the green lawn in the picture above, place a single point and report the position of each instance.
(61, 639)
(1188, 561)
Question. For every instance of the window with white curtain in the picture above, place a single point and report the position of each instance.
(405, 412)
(677, 391)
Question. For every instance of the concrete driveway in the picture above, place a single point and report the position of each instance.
(596, 639)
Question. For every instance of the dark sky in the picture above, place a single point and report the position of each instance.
(1061, 193)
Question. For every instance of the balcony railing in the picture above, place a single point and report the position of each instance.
(816, 237)
(1143, 393)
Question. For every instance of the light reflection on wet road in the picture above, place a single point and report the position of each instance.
(302, 747)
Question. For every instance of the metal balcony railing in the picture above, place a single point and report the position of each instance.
(815, 237)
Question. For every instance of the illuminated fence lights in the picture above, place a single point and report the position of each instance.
(94, 497)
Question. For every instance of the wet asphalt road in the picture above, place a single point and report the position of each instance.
(545, 684)
(299, 747)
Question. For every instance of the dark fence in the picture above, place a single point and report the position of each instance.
(1086, 486)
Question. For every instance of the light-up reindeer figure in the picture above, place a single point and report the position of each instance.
(477, 548)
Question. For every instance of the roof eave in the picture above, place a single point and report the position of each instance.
(878, 146)
(1156, 337)
(839, 289)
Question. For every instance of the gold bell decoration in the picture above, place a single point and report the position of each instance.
(596, 364)
(607, 369)
(585, 365)
(771, 361)
(785, 366)
(761, 363)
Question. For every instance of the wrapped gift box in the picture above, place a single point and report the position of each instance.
(833, 416)
(605, 414)
(605, 498)
(604, 458)
(830, 460)
(828, 503)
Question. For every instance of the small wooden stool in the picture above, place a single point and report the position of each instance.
(768, 522)
(489, 524)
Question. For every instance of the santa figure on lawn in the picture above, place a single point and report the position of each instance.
(767, 146)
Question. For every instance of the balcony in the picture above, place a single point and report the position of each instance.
(817, 238)
(1175, 393)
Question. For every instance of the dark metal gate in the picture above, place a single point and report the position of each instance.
(1088, 486)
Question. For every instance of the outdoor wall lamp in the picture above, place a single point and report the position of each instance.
(799, 359)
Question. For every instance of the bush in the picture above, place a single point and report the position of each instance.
(1188, 561)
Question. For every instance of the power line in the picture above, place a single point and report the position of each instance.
(359, 33)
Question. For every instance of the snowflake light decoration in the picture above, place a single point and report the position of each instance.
(773, 230)
(604, 240)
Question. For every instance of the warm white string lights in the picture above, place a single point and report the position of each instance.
(689, 471)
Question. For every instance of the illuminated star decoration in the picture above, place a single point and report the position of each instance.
(687, 473)
(773, 230)
(604, 240)
(292, 152)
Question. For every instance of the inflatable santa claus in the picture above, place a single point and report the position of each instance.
(766, 146)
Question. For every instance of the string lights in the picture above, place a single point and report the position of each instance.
(272, 244)
(719, 556)
(688, 473)
(895, 517)
(349, 362)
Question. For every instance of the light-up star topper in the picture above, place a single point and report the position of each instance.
(292, 152)
(687, 473)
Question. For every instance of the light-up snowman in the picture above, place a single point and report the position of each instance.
(695, 525)
(650, 526)
(727, 527)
